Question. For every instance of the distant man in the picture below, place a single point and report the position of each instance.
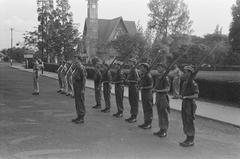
(132, 80)
(97, 85)
(59, 70)
(68, 79)
(106, 80)
(189, 93)
(119, 89)
(146, 85)
(36, 68)
(79, 82)
(63, 77)
(176, 73)
(162, 87)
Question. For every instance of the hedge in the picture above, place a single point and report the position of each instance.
(219, 90)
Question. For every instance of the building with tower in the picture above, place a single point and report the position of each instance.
(98, 33)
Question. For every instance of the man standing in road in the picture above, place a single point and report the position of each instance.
(35, 77)
(119, 89)
(132, 80)
(97, 84)
(106, 80)
(189, 93)
(162, 87)
(79, 80)
(146, 85)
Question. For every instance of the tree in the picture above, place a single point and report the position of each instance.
(234, 34)
(66, 36)
(169, 17)
(135, 45)
(45, 19)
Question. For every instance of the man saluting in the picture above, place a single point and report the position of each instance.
(79, 81)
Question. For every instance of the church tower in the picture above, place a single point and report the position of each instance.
(92, 28)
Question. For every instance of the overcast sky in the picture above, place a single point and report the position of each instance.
(21, 15)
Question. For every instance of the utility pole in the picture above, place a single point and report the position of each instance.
(42, 21)
(11, 37)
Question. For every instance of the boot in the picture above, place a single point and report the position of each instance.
(188, 142)
(133, 119)
(119, 115)
(163, 133)
(106, 110)
(158, 133)
(97, 107)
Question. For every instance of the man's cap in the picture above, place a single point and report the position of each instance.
(189, 68)
(146, 65)
(133, 60)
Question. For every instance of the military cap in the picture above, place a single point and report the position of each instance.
(189, 68)
(146, 65)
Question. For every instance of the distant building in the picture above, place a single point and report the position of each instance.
(99, 32)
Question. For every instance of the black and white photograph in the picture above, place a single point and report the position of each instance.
(119, 79)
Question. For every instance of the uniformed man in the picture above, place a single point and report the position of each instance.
(119, 89)
(79, 81)
(68, 79)
(176, 73)
(162, 88)
(36, 68)
(132, 81)
(189, 93)
(63, 77)
(106, 80)
(146, 85)
(59, 70)
(98, 84)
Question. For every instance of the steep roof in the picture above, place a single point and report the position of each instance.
(107, 26)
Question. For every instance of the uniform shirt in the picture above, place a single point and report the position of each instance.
(162, 83)
(133, 76)
(80, 74)
(189, 88)
(97, 77)
(146, 81)
(106, 76)
(119, 77)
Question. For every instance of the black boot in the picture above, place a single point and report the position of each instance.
(119, 115)
(188, 142)
(163, 133)
(158, 132)
(97, 107)
(133, 119)
(80, 120)
(106, 110)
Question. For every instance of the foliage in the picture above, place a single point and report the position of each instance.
(56, 34)
(131, 44)
(234, 34)
(16, 54)
(169, 17)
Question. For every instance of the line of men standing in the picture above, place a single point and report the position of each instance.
(136, 81)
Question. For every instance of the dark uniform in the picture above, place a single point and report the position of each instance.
(146, 84)
(79, 81)
(188, 110)
(119, 90)
(132, 80)
(106, 80)
(162, 103)
(97, 87)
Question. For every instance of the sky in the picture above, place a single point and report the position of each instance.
(21, 15)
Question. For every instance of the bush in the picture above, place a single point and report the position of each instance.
(50, 67)
(220, 90)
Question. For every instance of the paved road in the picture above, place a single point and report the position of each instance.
(39, 127)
